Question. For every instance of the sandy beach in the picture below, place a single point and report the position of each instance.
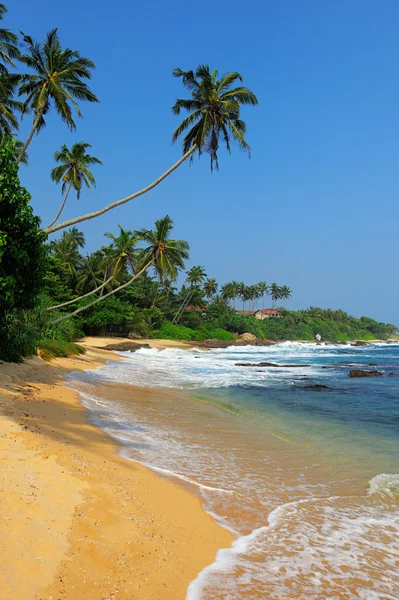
(77, 520)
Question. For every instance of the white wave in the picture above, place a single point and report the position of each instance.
(385, 484)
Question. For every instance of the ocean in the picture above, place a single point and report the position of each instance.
(306, 478)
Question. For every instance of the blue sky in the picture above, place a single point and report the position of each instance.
(316, 207)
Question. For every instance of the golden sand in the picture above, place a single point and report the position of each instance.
(76, 520)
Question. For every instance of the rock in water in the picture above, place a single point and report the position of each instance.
(359, 373)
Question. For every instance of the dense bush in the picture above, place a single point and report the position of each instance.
(49, 349)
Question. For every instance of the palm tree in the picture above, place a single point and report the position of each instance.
(8, 45)
(167, 255)
(275, 293)
(91, 272)
(8, 105)
(241, 292)
(214, 109)
(58, 79)
(285, 292)
(215, 115)
(195, 276)
(162, 252)
(210, 287)
(73, 171)
(67, 250)
(121, 256)
(263, 290)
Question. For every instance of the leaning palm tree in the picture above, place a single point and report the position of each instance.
(173, 249)
(166, 255)
(285, 292)
(214, 108)
(8, 45)
(275, 293)
(195, 276)
(73, 171)
(58, 78)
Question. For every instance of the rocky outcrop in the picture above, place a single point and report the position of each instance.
(360, 373)
(125, 346)
(359, 343)
(316, 386)
(248, 337)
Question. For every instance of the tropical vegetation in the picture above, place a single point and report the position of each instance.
(51, 292)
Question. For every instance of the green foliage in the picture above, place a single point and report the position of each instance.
(110, 316)
(22, 255)
(168, 331)
(49, 349)
(19, 335)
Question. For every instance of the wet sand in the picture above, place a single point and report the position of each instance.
(77, 520)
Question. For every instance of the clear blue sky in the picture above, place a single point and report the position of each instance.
(317, 205)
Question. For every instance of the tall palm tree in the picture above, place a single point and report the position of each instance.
(263, 290)
(167, 255)
(164, 253)
(58, 79)
(73, 171)
(121, 256)
(241, 292)
(210, 288)
(275, 293)
(285, 292)
(214, 109)
(8, 45)
(195, 276)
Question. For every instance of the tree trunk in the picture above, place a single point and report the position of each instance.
(30, 136)
(182, 307)
(118, 289)
(100, 212)
(62, 207)
(100, 287)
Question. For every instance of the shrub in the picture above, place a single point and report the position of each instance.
(168, 331)
(49, 349)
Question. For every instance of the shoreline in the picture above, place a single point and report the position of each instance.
(78, 520)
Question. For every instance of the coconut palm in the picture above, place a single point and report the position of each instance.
(67, 250)
(73, 171)
(214, 109)
(9, 107)
(166, 255)
(275, 293)
(57, 79)
(263, 290)
(210, 287)
(285, 292)
(8, 45)
(91, 272)
(121, 256)
(194, 277)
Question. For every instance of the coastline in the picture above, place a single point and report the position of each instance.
(78, 520)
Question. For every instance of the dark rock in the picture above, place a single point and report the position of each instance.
(125, 346)
(316, 386)
(391, 374)
(372, 364)
(359, 373)
(359, 343)
(328, 367)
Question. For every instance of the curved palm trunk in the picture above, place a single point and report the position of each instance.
(102, 211)
(100, 287)
(62, 207)
(182, 307)
(30, 136)
(118, 289)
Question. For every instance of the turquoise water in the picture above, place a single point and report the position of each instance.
(306, 479)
